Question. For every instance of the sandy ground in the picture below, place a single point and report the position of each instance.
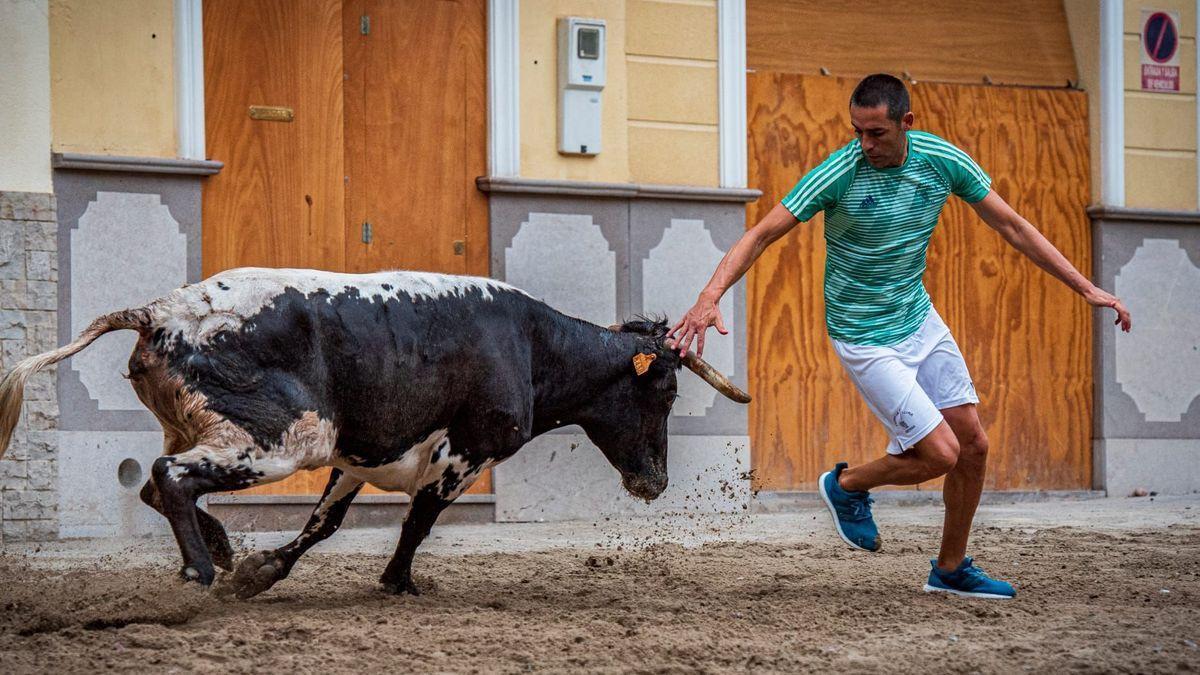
(1104, 585)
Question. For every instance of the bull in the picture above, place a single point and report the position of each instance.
(412, 382)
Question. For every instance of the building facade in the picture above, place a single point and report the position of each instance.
(149, 143)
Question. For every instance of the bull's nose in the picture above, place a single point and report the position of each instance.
(645, 486)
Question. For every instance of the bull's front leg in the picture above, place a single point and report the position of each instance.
(492, 436)
(425, 509)
(259, 571)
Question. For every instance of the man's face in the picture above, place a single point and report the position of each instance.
(883, 140)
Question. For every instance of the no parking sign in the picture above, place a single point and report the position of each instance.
(1160, 50)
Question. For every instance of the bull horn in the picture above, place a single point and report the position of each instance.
(714, 377)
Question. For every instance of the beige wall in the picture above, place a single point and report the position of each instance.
(659, 119)
(539, 93)
(671, 50)
(112, 77)
(1160, 128)
(24, 96)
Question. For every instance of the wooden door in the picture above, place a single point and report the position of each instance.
(279, 200)
(1026, 338)
(389, 128)
(416, 115)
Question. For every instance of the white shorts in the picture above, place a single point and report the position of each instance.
(908, 384)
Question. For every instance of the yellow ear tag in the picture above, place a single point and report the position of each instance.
(641, 362)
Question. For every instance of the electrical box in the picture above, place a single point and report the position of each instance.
(581, 57)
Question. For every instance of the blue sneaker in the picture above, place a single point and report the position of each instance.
(968, 581)
(851, 511)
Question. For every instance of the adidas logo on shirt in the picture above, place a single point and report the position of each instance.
(867, 203)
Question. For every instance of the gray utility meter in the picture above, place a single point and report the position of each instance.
(581, 55)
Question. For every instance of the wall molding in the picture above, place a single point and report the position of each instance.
(1148, 216)
(504, 90)
(731, 74)
(537, 186)
(85, 162)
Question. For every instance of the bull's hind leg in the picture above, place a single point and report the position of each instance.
(211, 529)
(261, 570)
(182, 478)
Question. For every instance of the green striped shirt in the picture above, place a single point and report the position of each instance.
(877, 228)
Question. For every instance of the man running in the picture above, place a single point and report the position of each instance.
(882, 194)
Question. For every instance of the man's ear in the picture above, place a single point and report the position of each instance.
(616, 328)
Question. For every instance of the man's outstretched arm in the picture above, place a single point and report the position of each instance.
(1025, 238)
(705, 313)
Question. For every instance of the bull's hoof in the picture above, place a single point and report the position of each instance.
(222, 553)
(203, 576)
(403, 586)
(256, 573)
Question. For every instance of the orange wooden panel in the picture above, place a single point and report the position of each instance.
(278, 202)
(937, 40)
(1026, 338)
(416, 134)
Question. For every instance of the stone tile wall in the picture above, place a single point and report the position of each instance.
(28, 326)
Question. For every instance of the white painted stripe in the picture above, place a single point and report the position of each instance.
(1112, 102)
(731, 93)
(504, 88)
(189, 78)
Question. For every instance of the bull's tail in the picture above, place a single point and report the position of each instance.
(12, 387)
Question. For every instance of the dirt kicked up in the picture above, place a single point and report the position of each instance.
(1092, 600)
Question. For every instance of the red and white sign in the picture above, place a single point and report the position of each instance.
(1160, 50)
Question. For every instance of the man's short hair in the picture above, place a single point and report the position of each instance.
(882, 89)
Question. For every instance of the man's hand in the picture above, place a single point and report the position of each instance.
(695, 324)
(1099, 298)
